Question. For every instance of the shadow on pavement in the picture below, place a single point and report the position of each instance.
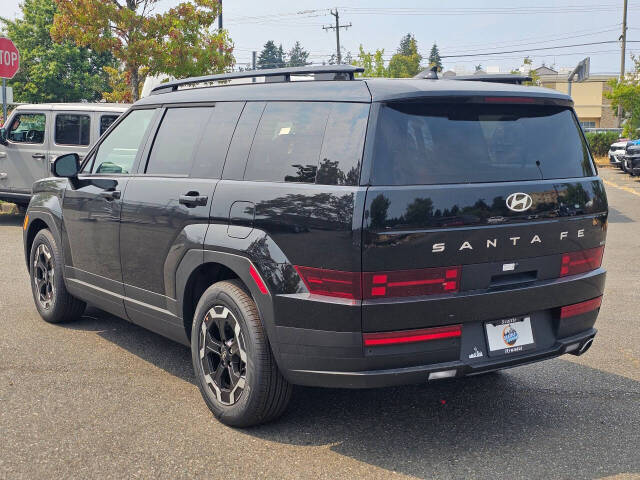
(555, 419)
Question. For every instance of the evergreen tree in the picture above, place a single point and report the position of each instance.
(434, 58)
(405, 63)
(406, 45)
(271, 56)
(298, 56)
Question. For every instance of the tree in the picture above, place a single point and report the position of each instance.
(625, 92)
(271, 56)
(179, 42)
(434, 58)
(298, 56)
(405, 63)
(52, 72)
(373, 63)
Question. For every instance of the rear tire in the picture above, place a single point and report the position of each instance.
(235, 369)
(46, 271)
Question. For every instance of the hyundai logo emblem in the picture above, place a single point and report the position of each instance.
(519, 202)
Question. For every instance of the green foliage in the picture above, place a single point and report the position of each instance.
(271, 56)
(179, 42)
(434, 58)
(297, 56)
(405, 63)
(52, 72)
(373, 63)
(599, 142)
(626, 93)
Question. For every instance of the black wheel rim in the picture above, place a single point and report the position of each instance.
(223, 356)
(44, 276)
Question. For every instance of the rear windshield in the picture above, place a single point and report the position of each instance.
(421, 144)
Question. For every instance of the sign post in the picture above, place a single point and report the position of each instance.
(9, 66)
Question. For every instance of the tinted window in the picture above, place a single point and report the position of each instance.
(27, 128)
(216, 137)
(465, 143)
(106, 121)
(241, 144)
(72, 129)
(117, 153)
(287, 143)
(176, 140)
(343, 143)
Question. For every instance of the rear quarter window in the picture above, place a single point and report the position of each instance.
(421, 143)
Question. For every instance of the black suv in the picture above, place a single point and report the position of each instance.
(335, 232)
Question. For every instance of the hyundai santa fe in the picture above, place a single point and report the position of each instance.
(333, 232)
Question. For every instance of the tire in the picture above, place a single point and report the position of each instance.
(234, 367)
(46, 272)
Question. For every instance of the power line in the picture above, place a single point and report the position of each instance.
(483, 54)
(337, 28)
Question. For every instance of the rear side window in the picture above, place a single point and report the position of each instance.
(236, 161)
(341, 153)
(106, 121)
(117, 153)
(287, 144)
(27, 128)
(420, 143)
(72, 129)
(176, 140)
(209, 158)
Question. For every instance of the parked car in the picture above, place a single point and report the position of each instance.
(293, 233)
(616, 152)
(632, 159)
(34, 135)
(626, 157)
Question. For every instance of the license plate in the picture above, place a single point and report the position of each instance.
(511, 335)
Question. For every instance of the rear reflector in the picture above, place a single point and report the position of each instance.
(410, 283)
(582, 261)
(580, 308)
(411, 336)
(258, 279)
(332, 283)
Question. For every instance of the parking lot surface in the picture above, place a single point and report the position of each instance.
(102, 398)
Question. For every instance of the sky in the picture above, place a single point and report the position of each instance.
(462, 27)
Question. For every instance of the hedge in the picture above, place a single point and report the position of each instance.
(599, 142)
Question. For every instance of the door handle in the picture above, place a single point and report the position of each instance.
(110, 195)
(193, 199)
(39, 156)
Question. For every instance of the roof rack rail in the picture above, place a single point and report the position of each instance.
(513, 78)
(340, 72)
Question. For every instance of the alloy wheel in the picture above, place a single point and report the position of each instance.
(223, 356)
(44, 276)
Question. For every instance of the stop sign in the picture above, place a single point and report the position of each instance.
(9, 58)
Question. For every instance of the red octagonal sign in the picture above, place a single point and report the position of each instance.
(9, 58)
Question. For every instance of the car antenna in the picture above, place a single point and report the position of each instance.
(433, 73)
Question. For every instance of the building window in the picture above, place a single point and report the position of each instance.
(588, 124)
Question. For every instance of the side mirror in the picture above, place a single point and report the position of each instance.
(67, 166)
(3, 136)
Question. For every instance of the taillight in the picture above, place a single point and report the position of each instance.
(371, 285)
(332, 283)
(410, 283)
(580, 308)
(411, 336)
(582, 261)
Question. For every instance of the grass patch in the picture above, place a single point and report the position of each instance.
(602, 161)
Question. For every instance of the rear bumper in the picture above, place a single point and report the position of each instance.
(421, 373)
(309, 356)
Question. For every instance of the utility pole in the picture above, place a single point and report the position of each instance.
(623, 37)
(337, 28)
(220, 20)
(253, 64)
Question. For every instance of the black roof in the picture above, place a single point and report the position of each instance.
(357, 90)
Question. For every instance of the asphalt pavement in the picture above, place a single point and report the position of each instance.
(102, 398)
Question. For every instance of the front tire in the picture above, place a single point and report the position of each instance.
(50, 294)
(234, 367)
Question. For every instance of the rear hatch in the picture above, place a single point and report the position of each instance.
(474, 196)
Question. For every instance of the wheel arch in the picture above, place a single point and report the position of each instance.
(199, 269)
(37, 221)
